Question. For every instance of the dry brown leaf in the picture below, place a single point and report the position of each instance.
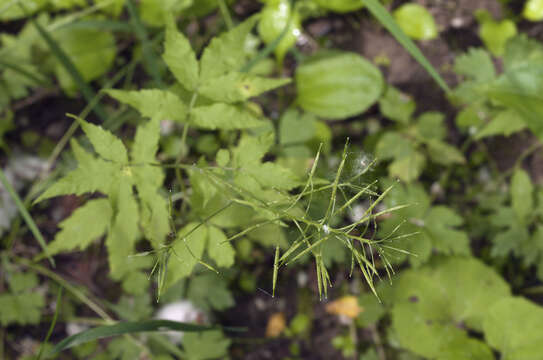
(346, 306)
(276, 324)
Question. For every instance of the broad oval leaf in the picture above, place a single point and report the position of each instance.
(338, 85)
(522, 191)
(533, 10)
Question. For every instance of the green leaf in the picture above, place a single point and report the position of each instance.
(295, 130)
(107, 145)
(372, 312)
(153, 103)
(408, 168)
(340, 6)
(205, 345)
(522, 192)
(416, 21)
(123, 328)
(521, 51)
(92, 52)
(225, 53)
(180, 57)
(273, 175)
(86, 224)
(440, 223)
(338, 85)
(430, 302)
(274, 18)
(124, 229)
(533, 10)
(505, 123)
(210, 291)
(235, 86)
(159, 13)
(187, 251)
(220, 250)
(476, 64)
(224, 117)
(495, 33)
(513, 326)
(23, 309)
(445, 154)
(393, 145)
(397, 106)
(430, 126)
(92, 174)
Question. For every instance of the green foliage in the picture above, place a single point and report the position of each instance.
(510, 101)
(413, 142)
(111, 174)
(430, 302)
(274, 18)
(420, 228)
(533, 10)
(337, 85)
(340, 6)
(205, 345)
(416, 21)
(216, 77)
(512, 326)
(209, 291)
(495, 34)
(22, 304)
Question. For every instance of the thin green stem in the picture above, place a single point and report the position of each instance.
(225, 13)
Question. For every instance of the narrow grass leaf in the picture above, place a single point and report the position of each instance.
(384, 17)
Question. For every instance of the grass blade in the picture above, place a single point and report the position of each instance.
(19, 69)
(146, 48)
(53, 323)
(384, 17)
(123, 328)
(26, 216)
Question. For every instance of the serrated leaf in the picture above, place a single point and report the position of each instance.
(505, 123)
(205, 345)
(396, 105)
(430, 126)
(180, 57)
(224, 117)
(393, 145)
(220, 250)
(522, 191)
(513, 326)
(22, 309)
(440, 224)
(124, 229)
(86, 224)
(443, 153)
(153, 103)
(92, 174)
(408, 168)
(107, 145)
(187, 250)
(235, 86)
(522, 51)
(476, 64)
(225, 53)
(210, 291)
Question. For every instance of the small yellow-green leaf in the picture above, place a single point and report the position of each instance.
(495, 34)
(274, 18)
(416, 21)
(340, 6)
(533, 10)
